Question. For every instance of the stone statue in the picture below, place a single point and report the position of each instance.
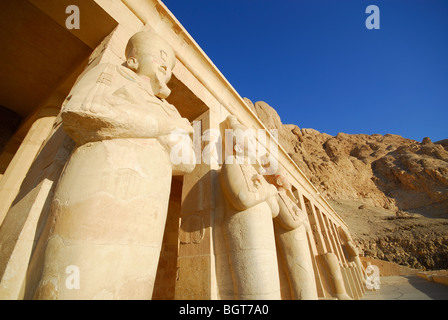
(248, 227)
(352, 252)
(110, 206)
(333, 267)
(291, 227)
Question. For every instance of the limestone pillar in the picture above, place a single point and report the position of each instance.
(296, 252)
(195, 263)
(335, 276)
(253, 255)
(24, 157)
(17, 238)
(352, 251)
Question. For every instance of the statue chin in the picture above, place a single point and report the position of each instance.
(161, 91)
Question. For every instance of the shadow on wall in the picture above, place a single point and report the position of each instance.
(9, 122)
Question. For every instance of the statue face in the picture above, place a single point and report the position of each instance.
(251, 148)
(153, 59)
(282, 181)
(246, 145)
(156, 67)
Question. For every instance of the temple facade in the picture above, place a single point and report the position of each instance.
(92, 203)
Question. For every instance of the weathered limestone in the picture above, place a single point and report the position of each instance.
(352, 255)
(291, 227)
(17, 239)
(352, 250)
(248, 226)
(18, 167)
(109, 209)
(336, 277)
(195, 278)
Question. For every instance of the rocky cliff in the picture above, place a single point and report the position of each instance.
(391, 191)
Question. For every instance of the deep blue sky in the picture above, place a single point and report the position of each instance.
(318, 65)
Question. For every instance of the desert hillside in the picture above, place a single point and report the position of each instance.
(391, 191)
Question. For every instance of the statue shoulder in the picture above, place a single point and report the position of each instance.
(170, 109)
(100, 71)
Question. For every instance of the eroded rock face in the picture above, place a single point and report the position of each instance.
(391, 191)
(427, 254)
(415, 175)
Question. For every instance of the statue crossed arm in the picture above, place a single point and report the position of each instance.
(119, 105)
(246, 193)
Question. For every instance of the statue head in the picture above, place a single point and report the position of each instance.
(348, 242)
(151, 57)
(280, 180)
(345, 235)
(244, 141)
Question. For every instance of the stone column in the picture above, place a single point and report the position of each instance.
(24, 157)
(17, 238)
(195, 263)
(296, 252)
(335, 276)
